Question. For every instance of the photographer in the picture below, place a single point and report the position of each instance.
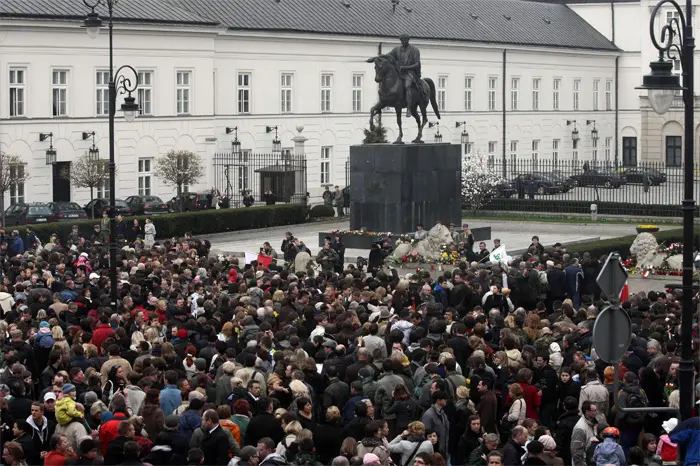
(267, 250)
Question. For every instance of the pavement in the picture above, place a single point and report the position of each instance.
(516, 235)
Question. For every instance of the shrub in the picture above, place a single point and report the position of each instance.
(321, 211)
(584, 207)
(622, 244)
(198, 223)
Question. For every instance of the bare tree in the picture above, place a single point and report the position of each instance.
(178, 168)
(13, 172)
(87, 173)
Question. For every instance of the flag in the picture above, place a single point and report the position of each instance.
(499, 255)
(264, 260)
(250, 257)
(625, 293)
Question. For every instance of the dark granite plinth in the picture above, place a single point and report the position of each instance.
(393, 187)
(350, 241)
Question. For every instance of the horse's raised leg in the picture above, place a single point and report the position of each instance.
(419, 137)
(399, 140)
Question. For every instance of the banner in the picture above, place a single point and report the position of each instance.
(499, 255)
(264, 260)
(250, 257)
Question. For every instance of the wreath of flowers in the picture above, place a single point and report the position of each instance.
(387, 234)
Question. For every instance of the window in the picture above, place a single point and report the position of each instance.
(608, 94)
(468, 92)
(468, 147)
(243, 170)
(629, 151)
(608, 146)
(17, 92)
(145, 177)
(184, 79)
(536, 82)
(674, 151)
(16, 190)
(513, 154)
(325, 165)
(555, 152)
(145, 94)
(535, 153)
(286, 92)
(596, 94)
(357, 81)
(102, 97)
(577, 92)
(442, 92)
(556, 85)
(103, 190)
(492, 153)
(514, 86)
(59, 92)
(493, 83)
(326, 87)
(594, 151)
(244, 92)
(574, 152)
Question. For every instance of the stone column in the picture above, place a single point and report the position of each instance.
(299, 164)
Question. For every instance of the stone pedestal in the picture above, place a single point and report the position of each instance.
(393, 187)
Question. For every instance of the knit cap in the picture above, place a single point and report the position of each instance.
(67, 388)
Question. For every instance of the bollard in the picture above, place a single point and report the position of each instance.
(594, 212)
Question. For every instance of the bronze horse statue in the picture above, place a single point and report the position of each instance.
(392, 93)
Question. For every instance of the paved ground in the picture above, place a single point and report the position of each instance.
(515, 235)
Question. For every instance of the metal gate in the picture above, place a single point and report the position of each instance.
(280, 176)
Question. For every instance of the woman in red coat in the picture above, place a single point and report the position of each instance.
(532, 397)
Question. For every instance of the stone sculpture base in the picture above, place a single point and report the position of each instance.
(393, 187)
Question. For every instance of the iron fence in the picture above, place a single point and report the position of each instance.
(280, 176)
(649, 188)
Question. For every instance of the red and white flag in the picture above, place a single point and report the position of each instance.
(625, 293)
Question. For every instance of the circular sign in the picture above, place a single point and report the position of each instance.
(612, 333)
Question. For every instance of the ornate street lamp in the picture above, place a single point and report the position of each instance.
(118, 84)
(235, 144)
(594, 131)
(50, 152)
(465, 135)
(276, 144)
(661, 86)
(574, 132)
(93, 152)
(438, 136)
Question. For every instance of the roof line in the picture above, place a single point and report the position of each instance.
(613, 48)
(119, 19)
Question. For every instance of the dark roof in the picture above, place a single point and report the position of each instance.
(146, 11)
(579, 2)
(492, 21)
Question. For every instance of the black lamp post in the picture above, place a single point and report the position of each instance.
(235, 144)
(662, 86)
(118, 84)
(50, 152)
(276, 144)
(438, 136)
(574, 132)
(464, 138)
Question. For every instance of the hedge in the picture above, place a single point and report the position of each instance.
(622, 244)
(198, 223)
(584, 207)
(322, 211)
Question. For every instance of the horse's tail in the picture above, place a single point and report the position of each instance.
(433, 101)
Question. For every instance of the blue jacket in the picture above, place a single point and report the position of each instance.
(688, 433)
(190, 421)
(170, 399)
(574, 280)
(15, 246)
(349, 409)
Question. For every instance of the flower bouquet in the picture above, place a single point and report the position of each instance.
(647, 228)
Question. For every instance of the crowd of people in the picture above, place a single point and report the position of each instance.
(204, 360)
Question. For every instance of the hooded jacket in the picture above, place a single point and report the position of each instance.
(6, 302)
(555, 357)
(40, 434)
(609, 452)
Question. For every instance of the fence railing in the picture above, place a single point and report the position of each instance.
(277, 176)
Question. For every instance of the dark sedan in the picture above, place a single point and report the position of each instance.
(505, 189)
(542, 184)
(186, 202)
(567, 184)
(637, 174)
(606, 179)
(29, 214)
(67, 211)
(95, 207)
(147, 205)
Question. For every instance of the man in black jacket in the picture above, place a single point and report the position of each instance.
(546, 381)
(115, 449)
(215, 444)
(263, 425)
(513, 450)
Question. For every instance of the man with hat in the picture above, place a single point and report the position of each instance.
(180, 443)
(248, 456)
(88, 454)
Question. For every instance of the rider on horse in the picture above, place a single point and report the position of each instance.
(408, 59)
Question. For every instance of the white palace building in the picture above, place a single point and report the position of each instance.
(514, 71)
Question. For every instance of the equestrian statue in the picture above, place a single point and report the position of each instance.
(400, 86)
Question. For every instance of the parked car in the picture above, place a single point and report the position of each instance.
(29, 214)
(147, 205)
(636, 175)
(566, 183)
(95, 207)
(67, 211)
(186, 202)
(505, 189)
(607, 179)
(543, 184)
